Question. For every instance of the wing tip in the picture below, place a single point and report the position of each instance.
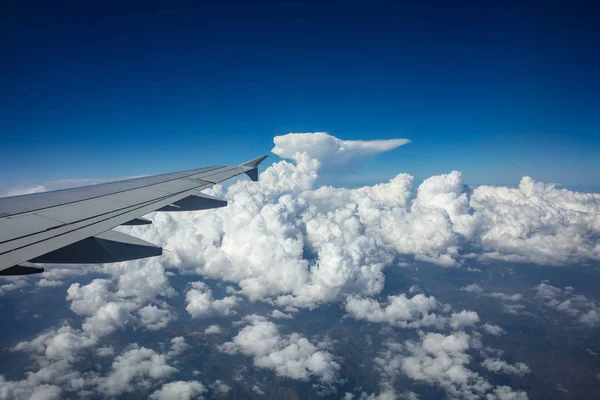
(254, 162)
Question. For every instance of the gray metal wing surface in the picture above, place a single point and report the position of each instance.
(74, 226)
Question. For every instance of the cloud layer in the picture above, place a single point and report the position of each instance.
(293, 245)
(285, 240)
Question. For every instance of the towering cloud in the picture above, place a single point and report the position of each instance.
(300, 246)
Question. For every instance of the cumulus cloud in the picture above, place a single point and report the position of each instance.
(16, 284)
(153, 318)
(414, 312)
(55, 352)
(442, 360)
(472, 288)
(105, 351)
(337, 242)
(513, 308)
(280, 315)
(63, 344)
(219, 388)
(109, 306)
(291, 356)
(178, 346)
(586, 311)
(537, 222)
(106, 306)
(463, 319)
(399, 311)
(180, 390)
(132, 368)
(11, 390)
(388, 394)
(327, 148)
(507, 297)
(212, 330)
(499, 366)
(88, 299)
(294, 245)
(492, 329)
(109, 318)
(200, 302)
(49, 283)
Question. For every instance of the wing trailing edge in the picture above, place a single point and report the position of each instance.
(107, 247)
(25, 268)
(138, 221)
(195, 202)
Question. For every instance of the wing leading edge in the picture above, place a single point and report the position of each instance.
(74, 226)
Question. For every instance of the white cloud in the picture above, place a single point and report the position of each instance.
(132, 368)
(212, 330)
(507, 297)
(441, 360)
(10, 390)
(513, 308)
(63, 343)
(327, 148)
(547, 291)
(180, 390)
(400, 311)
(54, 351)
(109, 318)
(591, 318)
(20, 191)
(14, 285)
(496, 365)
(388, 394)
(335, 245)
(49, 283)
(154, 318)
(219, 388)
(178, 346)
(105, 351)
(586, 311)
(337, 242)
(472, 288)
(506, 393)
(89, 299)
(537, 222)
(256, 389)
(463, 319)
(493, 329)
(200, 303)
(291, 356)
(280, 315)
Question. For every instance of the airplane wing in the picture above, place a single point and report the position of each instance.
(74, 226)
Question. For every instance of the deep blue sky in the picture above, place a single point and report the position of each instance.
(496, 91)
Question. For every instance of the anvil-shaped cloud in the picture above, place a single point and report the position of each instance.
(329, 149)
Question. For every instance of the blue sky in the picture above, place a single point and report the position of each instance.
(495, 91)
